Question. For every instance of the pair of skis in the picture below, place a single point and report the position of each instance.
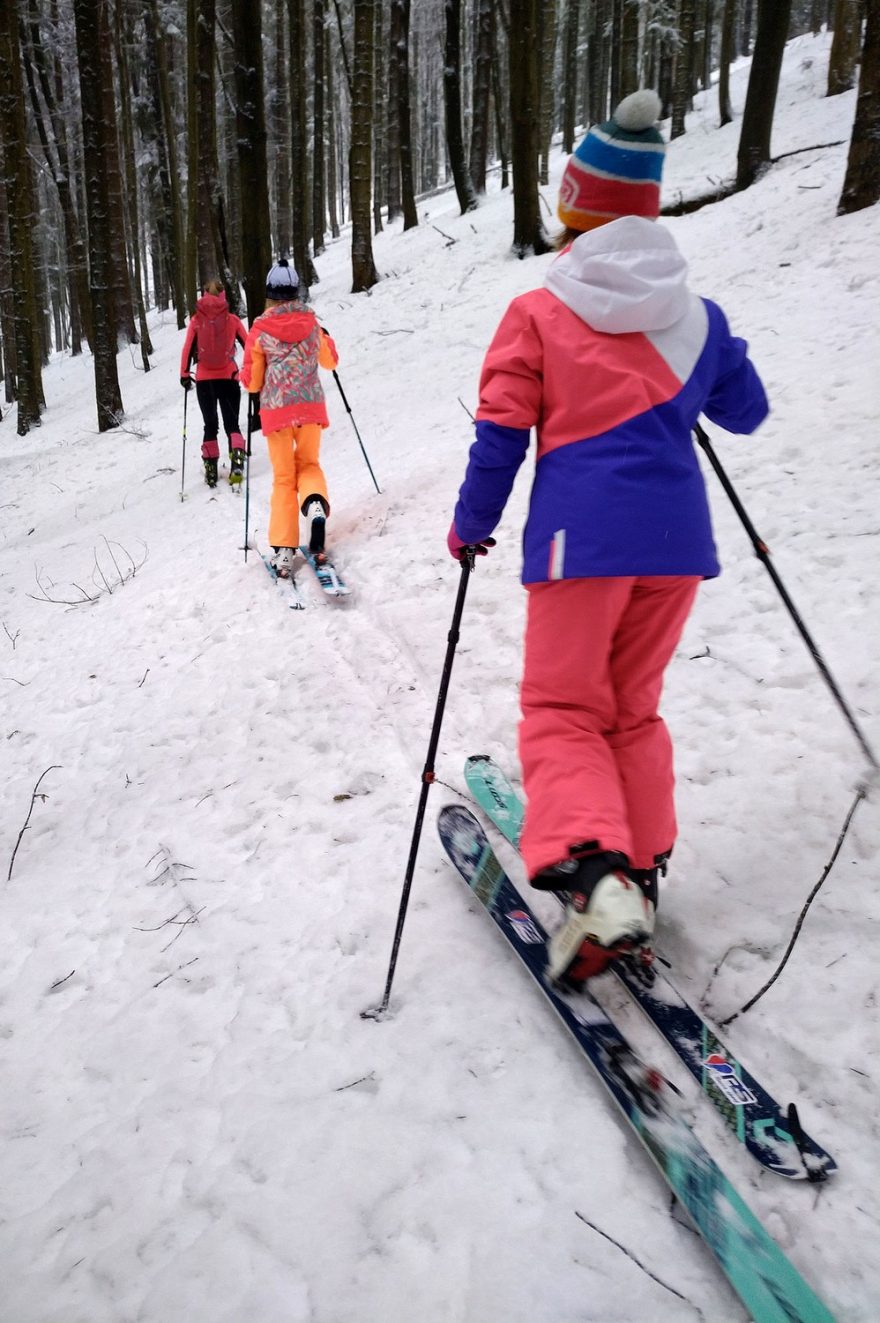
(326, 573)
(765, 1280)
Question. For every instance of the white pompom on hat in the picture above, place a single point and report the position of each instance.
(282, 282)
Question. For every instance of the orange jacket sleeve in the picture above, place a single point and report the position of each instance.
(253, 369)
(328, 356)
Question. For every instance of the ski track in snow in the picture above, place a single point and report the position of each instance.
(196, 1122)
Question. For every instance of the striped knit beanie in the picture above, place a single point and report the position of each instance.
(617, 168)
(282, 282)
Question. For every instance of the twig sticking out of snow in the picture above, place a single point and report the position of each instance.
(35, 795)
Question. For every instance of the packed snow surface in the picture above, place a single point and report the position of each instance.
(196, 1124)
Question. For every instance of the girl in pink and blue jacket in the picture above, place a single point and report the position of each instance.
(612, 362)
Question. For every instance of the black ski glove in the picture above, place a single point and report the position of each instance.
(186, 383)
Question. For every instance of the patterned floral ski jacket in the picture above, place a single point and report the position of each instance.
(284, 349)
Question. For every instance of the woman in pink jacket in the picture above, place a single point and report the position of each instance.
(612, 362)
(211, 338)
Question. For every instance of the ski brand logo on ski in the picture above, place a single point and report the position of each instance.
(727, 1080)
(523, 927)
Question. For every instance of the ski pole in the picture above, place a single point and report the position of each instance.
(247, 474)
(183, 456)
(355, 426)
(762, 551)
(467, 565)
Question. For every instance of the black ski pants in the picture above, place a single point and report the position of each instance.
(226, 394)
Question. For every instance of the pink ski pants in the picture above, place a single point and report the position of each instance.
(596, 756)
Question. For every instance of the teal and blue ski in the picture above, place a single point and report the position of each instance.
(327, 574)
(766, 1281)
(772, 1135)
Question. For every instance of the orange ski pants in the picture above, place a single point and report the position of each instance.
(297, 475)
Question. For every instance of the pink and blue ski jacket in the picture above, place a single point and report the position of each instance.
(612, 363)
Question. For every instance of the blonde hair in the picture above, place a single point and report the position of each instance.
(213, 286)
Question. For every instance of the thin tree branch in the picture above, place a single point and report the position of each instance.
(34, 797)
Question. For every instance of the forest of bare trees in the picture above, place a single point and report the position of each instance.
(148, 145)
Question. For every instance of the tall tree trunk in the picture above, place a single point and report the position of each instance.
(332, 171)
(250, 131)
(404, 114)
(483, 19)
(280, 113)
(98, 142)
(745, 28)
(300, 181)
(392, 130)
(21, 212)
(319, 165)
(120, 276)
(547, 86)
(725, 110)
(861, 186)
(757, 123)
(844, 58)
(133, 224)
(629, 47)
(207, 219)
(380, 155)
(53, 138)
(500, 100)
(570, 74)
(159, 122)
(683, 88)
(524, 55)
(464, 189)
(363, 270)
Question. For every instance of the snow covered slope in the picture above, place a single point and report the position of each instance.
(195, 1123)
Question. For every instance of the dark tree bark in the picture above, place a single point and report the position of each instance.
(861, 186)
(98, 142)
(159, 117)
(380, 153)
(570, 73)
(363, 269)
(483, 18)
(745, 28)
(392, 134)
(547, 86)
(725, 110)
(280, 120)
(319, 167)
(683, 88)
(132, 218)
(524, 56)
(464, 189)
(250, 130)
(754, 142)
(21, 212)
(500, 100)
(207, 220)
(120, 277)
(400, 15)
(629, 47)
(300, 181)
(53, 139)
(844, 58)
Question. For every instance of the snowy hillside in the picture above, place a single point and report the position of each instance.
(196, 1125)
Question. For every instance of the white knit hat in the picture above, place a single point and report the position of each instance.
(282, 282)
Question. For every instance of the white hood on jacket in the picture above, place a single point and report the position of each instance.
(627, 275)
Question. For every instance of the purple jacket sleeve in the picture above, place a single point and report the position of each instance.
(494, 460)
(737, 401)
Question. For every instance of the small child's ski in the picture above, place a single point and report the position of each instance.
(764, 1279)
(772, 1135)
(327, 574)
(295, 599)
